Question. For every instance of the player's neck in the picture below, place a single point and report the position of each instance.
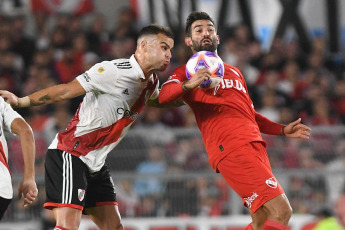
(144, 65)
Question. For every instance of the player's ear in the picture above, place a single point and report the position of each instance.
(143, 44)
(188, 41)
(218, 39)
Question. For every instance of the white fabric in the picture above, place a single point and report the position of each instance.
(7, 115)
(112, 88)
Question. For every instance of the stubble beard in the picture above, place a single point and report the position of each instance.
(197, 46)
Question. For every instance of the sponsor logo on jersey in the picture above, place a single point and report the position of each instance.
(125, 91)
(249, 200)
(100, 70)
(127, 113)
(271, 182)
(236, 84)
(86, 77)
(123, 65)
(81, 194)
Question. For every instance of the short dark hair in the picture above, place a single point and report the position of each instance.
(194, 16)
(155, 29)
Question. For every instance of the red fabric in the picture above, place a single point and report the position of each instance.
(99, 138)
(248, 172)
(48, 6)
(51, 205)
(66, 71)
(60, 228)
(249, 227)
(3, 158)
(266, 126)
(225, 115)
(170, 93)
(272, 225)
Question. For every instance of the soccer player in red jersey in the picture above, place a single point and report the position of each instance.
(231, 129)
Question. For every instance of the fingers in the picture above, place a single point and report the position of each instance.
(296, 122)
(29, 198)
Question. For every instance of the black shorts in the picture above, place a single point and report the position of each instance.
(70, 184)
(4, 203)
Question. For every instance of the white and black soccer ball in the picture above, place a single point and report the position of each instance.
(206, 59)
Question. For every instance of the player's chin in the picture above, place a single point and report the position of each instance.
(163, 67)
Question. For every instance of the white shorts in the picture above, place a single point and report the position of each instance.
(6, 190)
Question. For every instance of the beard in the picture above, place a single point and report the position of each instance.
(198, 46)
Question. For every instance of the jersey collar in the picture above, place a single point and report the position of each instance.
(136, 65)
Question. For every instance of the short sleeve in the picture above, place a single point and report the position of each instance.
(178, 76)
(8, 114)
(99, 77)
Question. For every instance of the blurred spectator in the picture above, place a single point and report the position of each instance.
(335, 176)
(97, 36)
(23, 45)
(306, 157)
(154, 164)
(340, 209)
(180, 196)
(128, 199)
(269, 106)
(126, 26)
(326, 221)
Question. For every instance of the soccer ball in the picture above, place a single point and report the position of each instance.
(206, 59)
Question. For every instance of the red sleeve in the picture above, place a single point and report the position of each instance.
(172, 88)
(267, 126)
(170, 92)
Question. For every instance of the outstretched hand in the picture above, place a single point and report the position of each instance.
(10, 98)
(28, 190)
(297, 130)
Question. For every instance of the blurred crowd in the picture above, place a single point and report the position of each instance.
(285, 83)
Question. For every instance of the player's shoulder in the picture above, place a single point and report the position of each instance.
(103, 67)
(232, 69)
(122, 63)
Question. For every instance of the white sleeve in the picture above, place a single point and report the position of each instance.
(8, 114)
(99, 77)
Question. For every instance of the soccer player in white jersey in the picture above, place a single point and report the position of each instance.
(77, 178)
(11, 121)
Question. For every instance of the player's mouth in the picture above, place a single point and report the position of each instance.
(206, 42)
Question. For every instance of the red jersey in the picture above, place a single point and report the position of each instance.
(225, 114)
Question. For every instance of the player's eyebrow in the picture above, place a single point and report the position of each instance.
(166, 44)
(210, 24)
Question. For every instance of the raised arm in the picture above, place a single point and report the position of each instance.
(27, 187)
(45, 96)
(293, 130)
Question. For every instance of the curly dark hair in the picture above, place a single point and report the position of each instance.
(194, 16)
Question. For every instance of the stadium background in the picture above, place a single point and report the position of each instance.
(291, 53)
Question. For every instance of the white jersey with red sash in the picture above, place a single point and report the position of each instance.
(116, 92)
(7, 115)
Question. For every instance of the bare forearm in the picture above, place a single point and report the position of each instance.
(28, 148)
(53, 94)
(49, 95)
(27, 142)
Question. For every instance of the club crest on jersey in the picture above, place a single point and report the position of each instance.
(272, 183)
(81, 194)
(100, 70)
